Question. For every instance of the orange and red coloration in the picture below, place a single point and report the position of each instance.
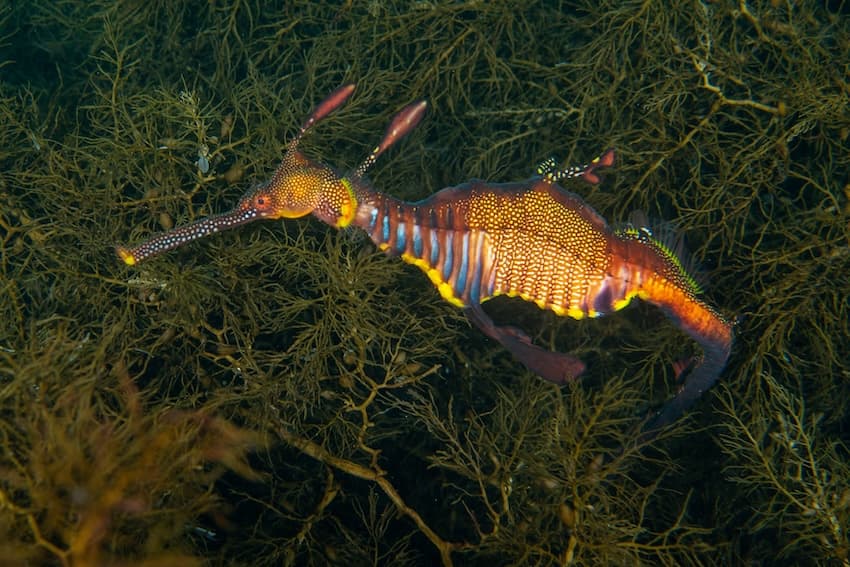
(531, 239)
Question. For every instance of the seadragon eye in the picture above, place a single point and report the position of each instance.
(262, 202)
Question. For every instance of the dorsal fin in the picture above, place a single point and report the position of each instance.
(668, 241)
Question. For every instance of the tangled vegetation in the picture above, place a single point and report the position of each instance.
(286, 394)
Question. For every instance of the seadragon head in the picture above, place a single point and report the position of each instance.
(299, 187)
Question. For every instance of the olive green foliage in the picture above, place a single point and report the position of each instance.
(286, 394)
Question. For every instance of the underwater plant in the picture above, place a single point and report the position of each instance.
(478, 240)
(286, 394)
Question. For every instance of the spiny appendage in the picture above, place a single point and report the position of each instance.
(185, 234)
(551, 174)
(330, 103)
(301, 186)
(402, 124)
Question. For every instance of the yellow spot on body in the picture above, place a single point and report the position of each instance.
(347, 205)
(345, 216)
(559, 311)
(302, 186)
(449, 295)
(621, 303)
(412, 259)
(434, 275)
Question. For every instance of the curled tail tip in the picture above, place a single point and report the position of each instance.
(693, 381)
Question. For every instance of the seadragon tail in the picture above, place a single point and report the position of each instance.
(696, 381)
(649, 269)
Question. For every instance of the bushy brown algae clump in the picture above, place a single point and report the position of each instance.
(382, 429)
